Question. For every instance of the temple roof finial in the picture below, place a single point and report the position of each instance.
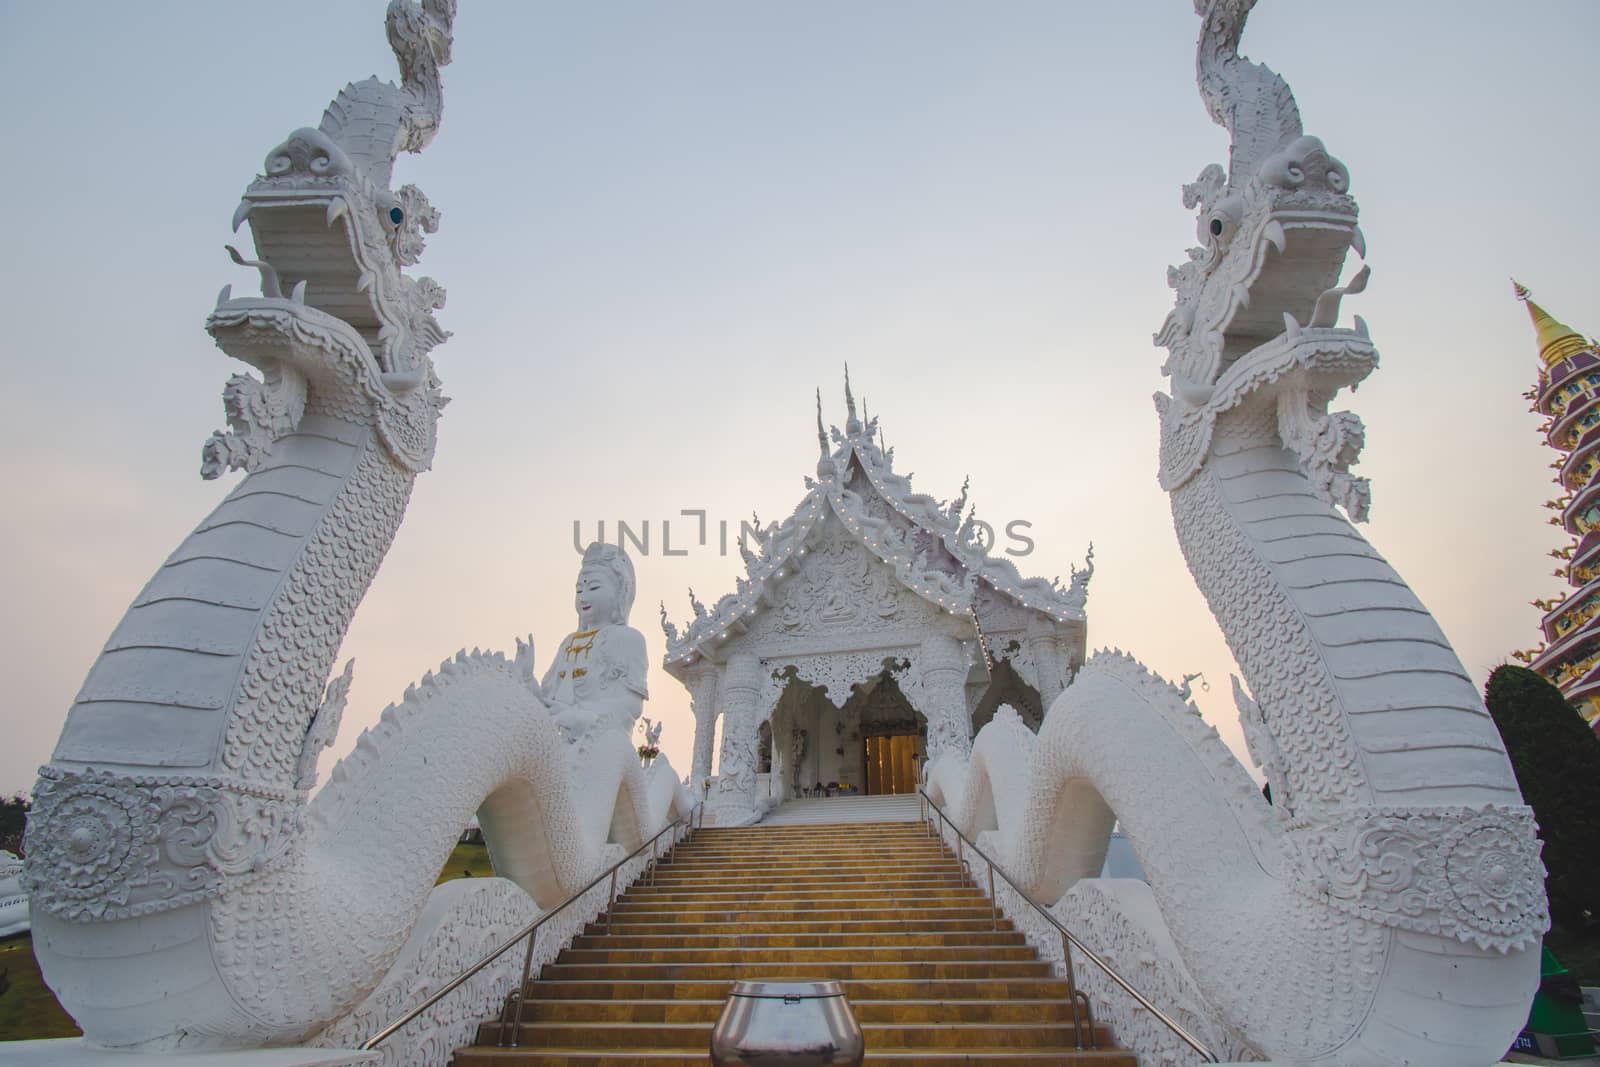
(1557, 341)
(852, 425)
(825, 463)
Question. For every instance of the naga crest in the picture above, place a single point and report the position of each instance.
(332, 235)
(1258, 298)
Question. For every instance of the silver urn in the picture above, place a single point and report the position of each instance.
(796, 1024)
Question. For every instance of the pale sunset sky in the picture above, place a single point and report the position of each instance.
(666, 224)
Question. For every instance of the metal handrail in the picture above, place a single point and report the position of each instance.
(1068, 940)
(531, 931)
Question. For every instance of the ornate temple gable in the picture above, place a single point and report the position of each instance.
(841, 596)
(944, 535)
(921, 547)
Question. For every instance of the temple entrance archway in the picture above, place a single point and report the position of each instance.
(894, 736)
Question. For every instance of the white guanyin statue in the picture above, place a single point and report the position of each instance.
(597, 680)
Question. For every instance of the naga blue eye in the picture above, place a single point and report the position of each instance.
(396, 216)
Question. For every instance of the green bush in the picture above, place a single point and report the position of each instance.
(1556, 757)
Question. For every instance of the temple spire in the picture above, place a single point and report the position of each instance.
(1557, 341)
(852, 425)
(825, 463)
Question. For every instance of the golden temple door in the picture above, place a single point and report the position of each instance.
(891, 766)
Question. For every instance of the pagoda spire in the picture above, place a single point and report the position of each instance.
(852, 425)
(1568, 396)
(1557, 341)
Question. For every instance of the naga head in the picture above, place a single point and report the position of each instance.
(331, 233)
(421, 33)
(1258, 298)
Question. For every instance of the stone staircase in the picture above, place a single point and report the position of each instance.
(880, 907)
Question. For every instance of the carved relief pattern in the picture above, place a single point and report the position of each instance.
(703, 685)
(259, 413)
(742, 680)
(302, 944)
(1090, 911)
(837, 673)
(482, 915)
(294, 648)
(491, 912)
(938, 691)
(1288, 677)
(1472, 874)
(840, 588)
(110, 846)
(118, 847)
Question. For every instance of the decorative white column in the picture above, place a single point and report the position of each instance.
(943, 677)
(1049, 664)
(733, 798)
(703, 683)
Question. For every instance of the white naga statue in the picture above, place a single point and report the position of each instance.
(187, 890)
(597, 680)
(1385, 910)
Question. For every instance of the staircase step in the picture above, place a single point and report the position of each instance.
(660, 988)
(929, 923)
(908, 938)
(489, 1056)
(867, 1011)
(811, 971)
(611, 1034)
(820, 954)
(807, 894)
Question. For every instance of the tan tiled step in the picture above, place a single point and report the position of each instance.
(713, 883)
(877, 1036)
(870, 903)
(858, 990)
(768, 832)
(810, 869)
(754, 955)
(928, 922)
(867, 897)
(758, 911)
(906, 938)
(486, 1056)
(802, 859)
(707, 843)
(866, 1011)
(808, 971)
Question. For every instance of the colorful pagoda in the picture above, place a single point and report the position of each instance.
(1568, 396)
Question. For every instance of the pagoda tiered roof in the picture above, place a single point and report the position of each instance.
(1568, 395)
(939, 558)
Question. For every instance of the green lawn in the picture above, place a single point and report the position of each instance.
(27, 1007)
(467, 861)
(29, 1010)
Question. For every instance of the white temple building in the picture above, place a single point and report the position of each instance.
(875, 629)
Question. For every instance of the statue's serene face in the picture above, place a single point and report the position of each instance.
(598, 597)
